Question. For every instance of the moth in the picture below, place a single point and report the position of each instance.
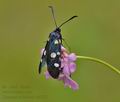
(52, 52)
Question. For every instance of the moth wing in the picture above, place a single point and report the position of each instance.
(51, 62)
(43, 58)
(42, 63)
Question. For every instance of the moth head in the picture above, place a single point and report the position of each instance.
(57, 30)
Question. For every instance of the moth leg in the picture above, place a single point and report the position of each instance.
(69, 49)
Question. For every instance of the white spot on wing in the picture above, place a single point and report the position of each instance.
(44, 52)
(53, 55)
(58, 53)
(59, 41)
(56, 64)
(56, 42)
(41, 60)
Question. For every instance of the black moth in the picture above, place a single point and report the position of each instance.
(52, 52)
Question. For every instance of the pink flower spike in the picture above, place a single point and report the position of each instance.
(72, 57)
(71, 83)
(74, 85)
(72, 67)
(66, 70)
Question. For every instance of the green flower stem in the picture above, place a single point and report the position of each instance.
(100, 61)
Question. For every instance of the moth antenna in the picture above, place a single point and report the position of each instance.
(51, 7)
(67, 21)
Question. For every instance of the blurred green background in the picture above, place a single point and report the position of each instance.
(24, 28)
